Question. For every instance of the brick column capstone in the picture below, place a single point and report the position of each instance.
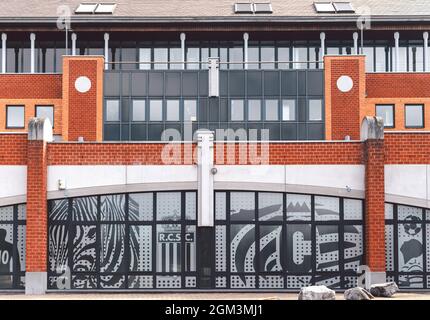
(40, 132)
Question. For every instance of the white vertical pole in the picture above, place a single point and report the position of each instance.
(397, 51)
(426, 51)
(74, 37)
(32, 49)
(183, 37)
(245, 49)
(355, 37)
(3, 52)
(322, 38)
(106, 37)
(205, 163)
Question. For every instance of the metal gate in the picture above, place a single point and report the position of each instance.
(261, 240)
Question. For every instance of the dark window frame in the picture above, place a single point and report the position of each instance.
(422, 114)
(393, 109)
(7, 116)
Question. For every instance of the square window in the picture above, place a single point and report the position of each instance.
(45, 112)
(156, 110)
(272, 110)
(236, 111)
(172, 112)
(190, 110)
(315, 110)
(139, 107)
(288, 110)
(386, 112)
(112, 110)
(15, 117)
(414, 116)
(254, 110)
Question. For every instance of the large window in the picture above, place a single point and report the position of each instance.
(414, 116)
(237, 110)
(139, 110)
(45, 112)
(386, 112)
(15, 117)
(315, 110)
(156, 110)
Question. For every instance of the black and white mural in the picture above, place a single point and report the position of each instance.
(407, 251)
(12, 247)
(123, 241)
(286, 241)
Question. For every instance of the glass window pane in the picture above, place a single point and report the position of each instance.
(145, 56)
(254, 110)
(160, 55)
(253, 56)
(386, 112)
(268, 55)
(168, 206)
(139, 107)
(288, 110)
(237, 113)
(414, 116)
(169, 248)
(381, 59)
(190, 110)
(284, 56)
(300, 55)
(236, 55)
(15, 117)
(272, 110)
(172, 112)
(156, 110)
(315, 110)
(140, 248)
(112, 208)
(192, 56)
(270, 206)
(175, 56)
(298, 207)
(140, 207)
(326, 208)
(242, 206)
(45, 112)
(112, 110)
(368, 52)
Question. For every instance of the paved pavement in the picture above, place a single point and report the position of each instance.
(190, 296)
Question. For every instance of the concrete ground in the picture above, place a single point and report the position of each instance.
(190, 296)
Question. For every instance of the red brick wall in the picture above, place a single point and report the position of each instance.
(13, 149)
(375, 205)
(151, 153)
(84, 110)
(37, 214)
(398, 85)
(407, 148)
(30, 86)
(343, 108)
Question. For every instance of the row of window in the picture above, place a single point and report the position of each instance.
(240, 110)
(414, 115)
(15, 115)
(168, 55)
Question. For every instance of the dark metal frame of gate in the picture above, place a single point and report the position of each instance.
(70, 225)
(395, 222)
(16, 273)
(313, 223)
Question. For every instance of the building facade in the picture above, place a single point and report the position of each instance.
(187, 145)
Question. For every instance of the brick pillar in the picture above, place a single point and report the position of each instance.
(39, 133)
(345, 87)
(372, 133)
(83, 98)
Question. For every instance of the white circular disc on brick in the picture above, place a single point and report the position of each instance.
(345, 83)
(83, 84)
